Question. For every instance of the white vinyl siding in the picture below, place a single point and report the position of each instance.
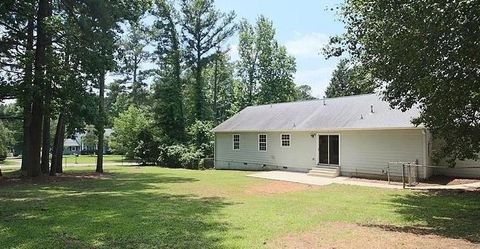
(362, 152)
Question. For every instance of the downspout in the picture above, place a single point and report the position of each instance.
(215, 150)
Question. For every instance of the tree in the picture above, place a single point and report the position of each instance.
(425, 54)
(131, 54)
(248, 62)
(90, 137)
(203, 29)
(347, 81)
(303, 92)
(127, 128)
(265, 67)
(168, 106)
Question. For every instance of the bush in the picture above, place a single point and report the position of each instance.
(177, 156)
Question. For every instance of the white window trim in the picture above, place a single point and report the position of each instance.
(289, 140)
(317, 156)
(233, 141)
(266, 142)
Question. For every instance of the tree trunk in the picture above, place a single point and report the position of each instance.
(61, 140)
(46, 137)
(47, 108)
(101, 123)
(215, 90)
(34, 168)
(56, 149)
(27, 101)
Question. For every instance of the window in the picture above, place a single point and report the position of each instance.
(262, 142)
(236, 141)
(285, 140)
(328, 149)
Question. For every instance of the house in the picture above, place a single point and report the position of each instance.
(76, 144)
(71, 147)
(350, 136)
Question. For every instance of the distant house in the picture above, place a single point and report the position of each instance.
(71, 146)
(76, 144)
(350, 136)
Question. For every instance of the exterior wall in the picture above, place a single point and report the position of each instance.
(362, 153)
(300, 156)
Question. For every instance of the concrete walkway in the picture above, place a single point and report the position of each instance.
(323, 181)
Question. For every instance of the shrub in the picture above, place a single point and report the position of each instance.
(177, 156)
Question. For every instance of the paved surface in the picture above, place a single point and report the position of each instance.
(323, 181)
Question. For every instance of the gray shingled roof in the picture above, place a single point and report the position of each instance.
(344, 113)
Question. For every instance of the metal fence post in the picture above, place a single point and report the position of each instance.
(403, 175)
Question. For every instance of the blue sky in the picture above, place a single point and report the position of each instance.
(303, 26)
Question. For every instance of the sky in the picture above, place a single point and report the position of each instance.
(303, 26)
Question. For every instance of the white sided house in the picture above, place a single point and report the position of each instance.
(351, 136)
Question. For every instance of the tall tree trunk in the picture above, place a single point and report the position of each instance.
(57, 149)
(46, 139)
(47, 108)
(101, 123)
(215, 90)
(27, 101)
(61, 140)
(38, 83)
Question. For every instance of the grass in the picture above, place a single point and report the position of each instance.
(152, 207)
(71, 159)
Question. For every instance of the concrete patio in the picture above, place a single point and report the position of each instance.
(323, 181)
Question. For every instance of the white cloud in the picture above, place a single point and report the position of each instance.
(307, 45)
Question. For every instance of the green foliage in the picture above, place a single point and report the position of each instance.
(424, 53)
(265, 67)
(304, 92)
(6, 141)
(179, 156)
(204, 29)
(148, 146)
(128, 128)
(201, 133)
(90, 138)
(347, 81)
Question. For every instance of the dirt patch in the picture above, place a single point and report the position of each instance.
(446, 180)
(277, 187)
(432, 181)
(344, 235)
(6, 181)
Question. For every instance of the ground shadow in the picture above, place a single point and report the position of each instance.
(451, 214)
(130, 210)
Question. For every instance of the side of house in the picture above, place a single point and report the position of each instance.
(364, 153)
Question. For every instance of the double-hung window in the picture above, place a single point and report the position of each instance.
(329, 149)
(285, 140)
(262, 142)
(236, 141)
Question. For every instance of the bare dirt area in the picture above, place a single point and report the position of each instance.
(432, 181)
(344, 235)
(14, 180)
(277, 187)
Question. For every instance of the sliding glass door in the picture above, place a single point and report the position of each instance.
(328, 149)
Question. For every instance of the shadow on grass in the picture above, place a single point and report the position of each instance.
(131, 210)
(444, 213)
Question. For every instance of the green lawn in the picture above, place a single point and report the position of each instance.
(148, 207)
(71, 159)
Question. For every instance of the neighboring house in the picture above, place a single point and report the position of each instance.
(76, 145)
(71, 146)
(350, 136)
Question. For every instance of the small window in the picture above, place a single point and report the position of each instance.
(236, 142)
(285, 140)
(262, 142)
